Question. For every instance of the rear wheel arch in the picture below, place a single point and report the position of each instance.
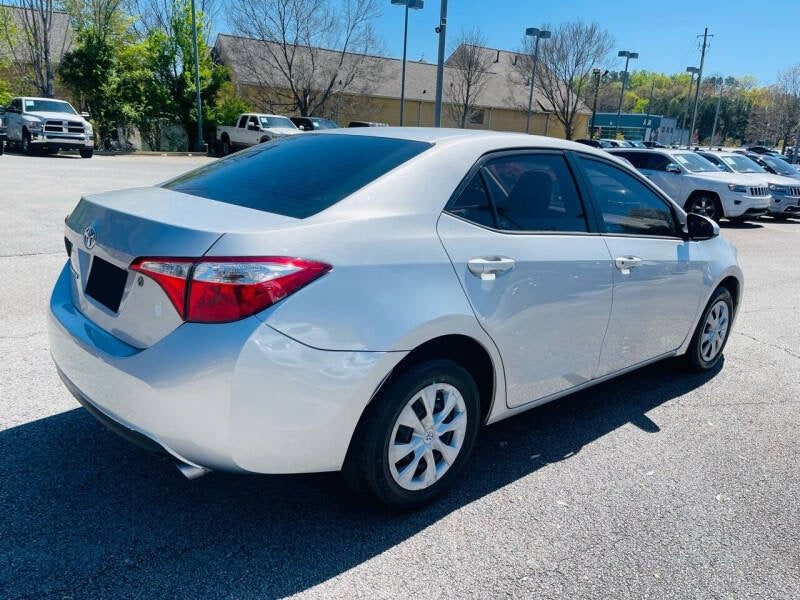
(464, 351)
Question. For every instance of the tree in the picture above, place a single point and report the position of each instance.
(306, 51)
(91, 69)
(470, 62)
(788, 104)
(29, 36)
(564, 72)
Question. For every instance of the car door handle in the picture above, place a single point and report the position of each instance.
(626, 263)
(487, 267)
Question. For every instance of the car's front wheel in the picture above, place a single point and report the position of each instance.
(416, 436)
(86, 152)
(27, 147)
(706, 205)
(713, 330)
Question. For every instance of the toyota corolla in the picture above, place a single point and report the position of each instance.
(365, 300)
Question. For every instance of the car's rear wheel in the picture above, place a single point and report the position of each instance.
(712, 333)
(416, 436)
(226, 145)
(706, 205)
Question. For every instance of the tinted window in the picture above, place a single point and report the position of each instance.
(627, 205)
(534, 192)
(637, 159)
(473, 203)
(243, 121)
(297, 176)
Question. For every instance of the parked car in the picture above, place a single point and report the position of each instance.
(594, 143)
(2, 129)
(313, 123)
(773, 164)
(366, 124)
(763, 150)
(252, 129)
(654, 145)
(236, 331)
(616, 143)
(785, 190)
(699, 186)
(637, 144)
(49, 125)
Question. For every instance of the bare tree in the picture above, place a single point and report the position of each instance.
(563, 74)
(470, 62)
(788, 104)
(28, 31)
(158, 15)
(302, 53)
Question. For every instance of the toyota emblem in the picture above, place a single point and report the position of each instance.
(89, 237)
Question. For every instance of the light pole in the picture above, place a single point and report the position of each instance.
(691, 70)
(597, 77)
(442, 31)
(413, 5)
(539, 34)
(628, 56)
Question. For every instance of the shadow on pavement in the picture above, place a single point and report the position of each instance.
(740, 225)
(84, 514)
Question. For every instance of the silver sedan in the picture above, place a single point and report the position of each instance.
(365, 300)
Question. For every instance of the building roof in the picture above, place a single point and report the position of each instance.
(379, 76)
(60, 33)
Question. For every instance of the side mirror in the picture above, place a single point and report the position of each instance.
(86, 115)
(700, 228)
(673, 168)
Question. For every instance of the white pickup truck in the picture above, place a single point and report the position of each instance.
(252, 129)
(49, 125)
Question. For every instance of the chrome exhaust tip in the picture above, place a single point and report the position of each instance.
(191, 471)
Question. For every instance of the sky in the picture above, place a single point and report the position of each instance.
(759, 38)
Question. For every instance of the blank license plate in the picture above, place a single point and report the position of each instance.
(106, 283)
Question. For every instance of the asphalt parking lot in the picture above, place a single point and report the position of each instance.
(656, 485)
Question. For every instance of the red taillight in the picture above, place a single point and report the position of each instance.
(219, 289)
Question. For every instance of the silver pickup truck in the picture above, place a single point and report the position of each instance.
(49, 125)
(252, 129)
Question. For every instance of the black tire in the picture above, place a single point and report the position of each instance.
(706, 205)
(86, 152)
(226, 145)
(2, 144)
(51, 151)
(693, 358)
(27, 147)
(366, 467)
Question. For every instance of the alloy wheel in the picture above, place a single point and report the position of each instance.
(715, 329)
(703, 205)
(427, 436)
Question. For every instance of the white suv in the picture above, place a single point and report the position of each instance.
(785, 190)
(699, 186)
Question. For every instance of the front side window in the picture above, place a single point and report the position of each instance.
(625, 204)
(535, 192)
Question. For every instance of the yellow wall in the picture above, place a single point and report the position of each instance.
(346, 108)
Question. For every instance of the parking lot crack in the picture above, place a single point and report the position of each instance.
(755, 339)
(24, 254)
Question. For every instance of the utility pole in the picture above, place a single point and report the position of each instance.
(441, 30)
(721, 83)
(692, 71)
(647, 116)
(699, 79)
(628, 55)
(200, 143)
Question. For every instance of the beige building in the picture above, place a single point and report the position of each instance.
(372, 91)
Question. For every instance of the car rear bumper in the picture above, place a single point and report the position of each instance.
(236, 396)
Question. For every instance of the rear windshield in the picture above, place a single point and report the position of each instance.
(297, 176)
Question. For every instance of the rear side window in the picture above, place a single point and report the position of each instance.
(535, 192)
(298, 176)
(473, 204)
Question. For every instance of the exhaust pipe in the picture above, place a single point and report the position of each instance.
(191, 471)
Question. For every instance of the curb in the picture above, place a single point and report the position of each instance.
(148, 153)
